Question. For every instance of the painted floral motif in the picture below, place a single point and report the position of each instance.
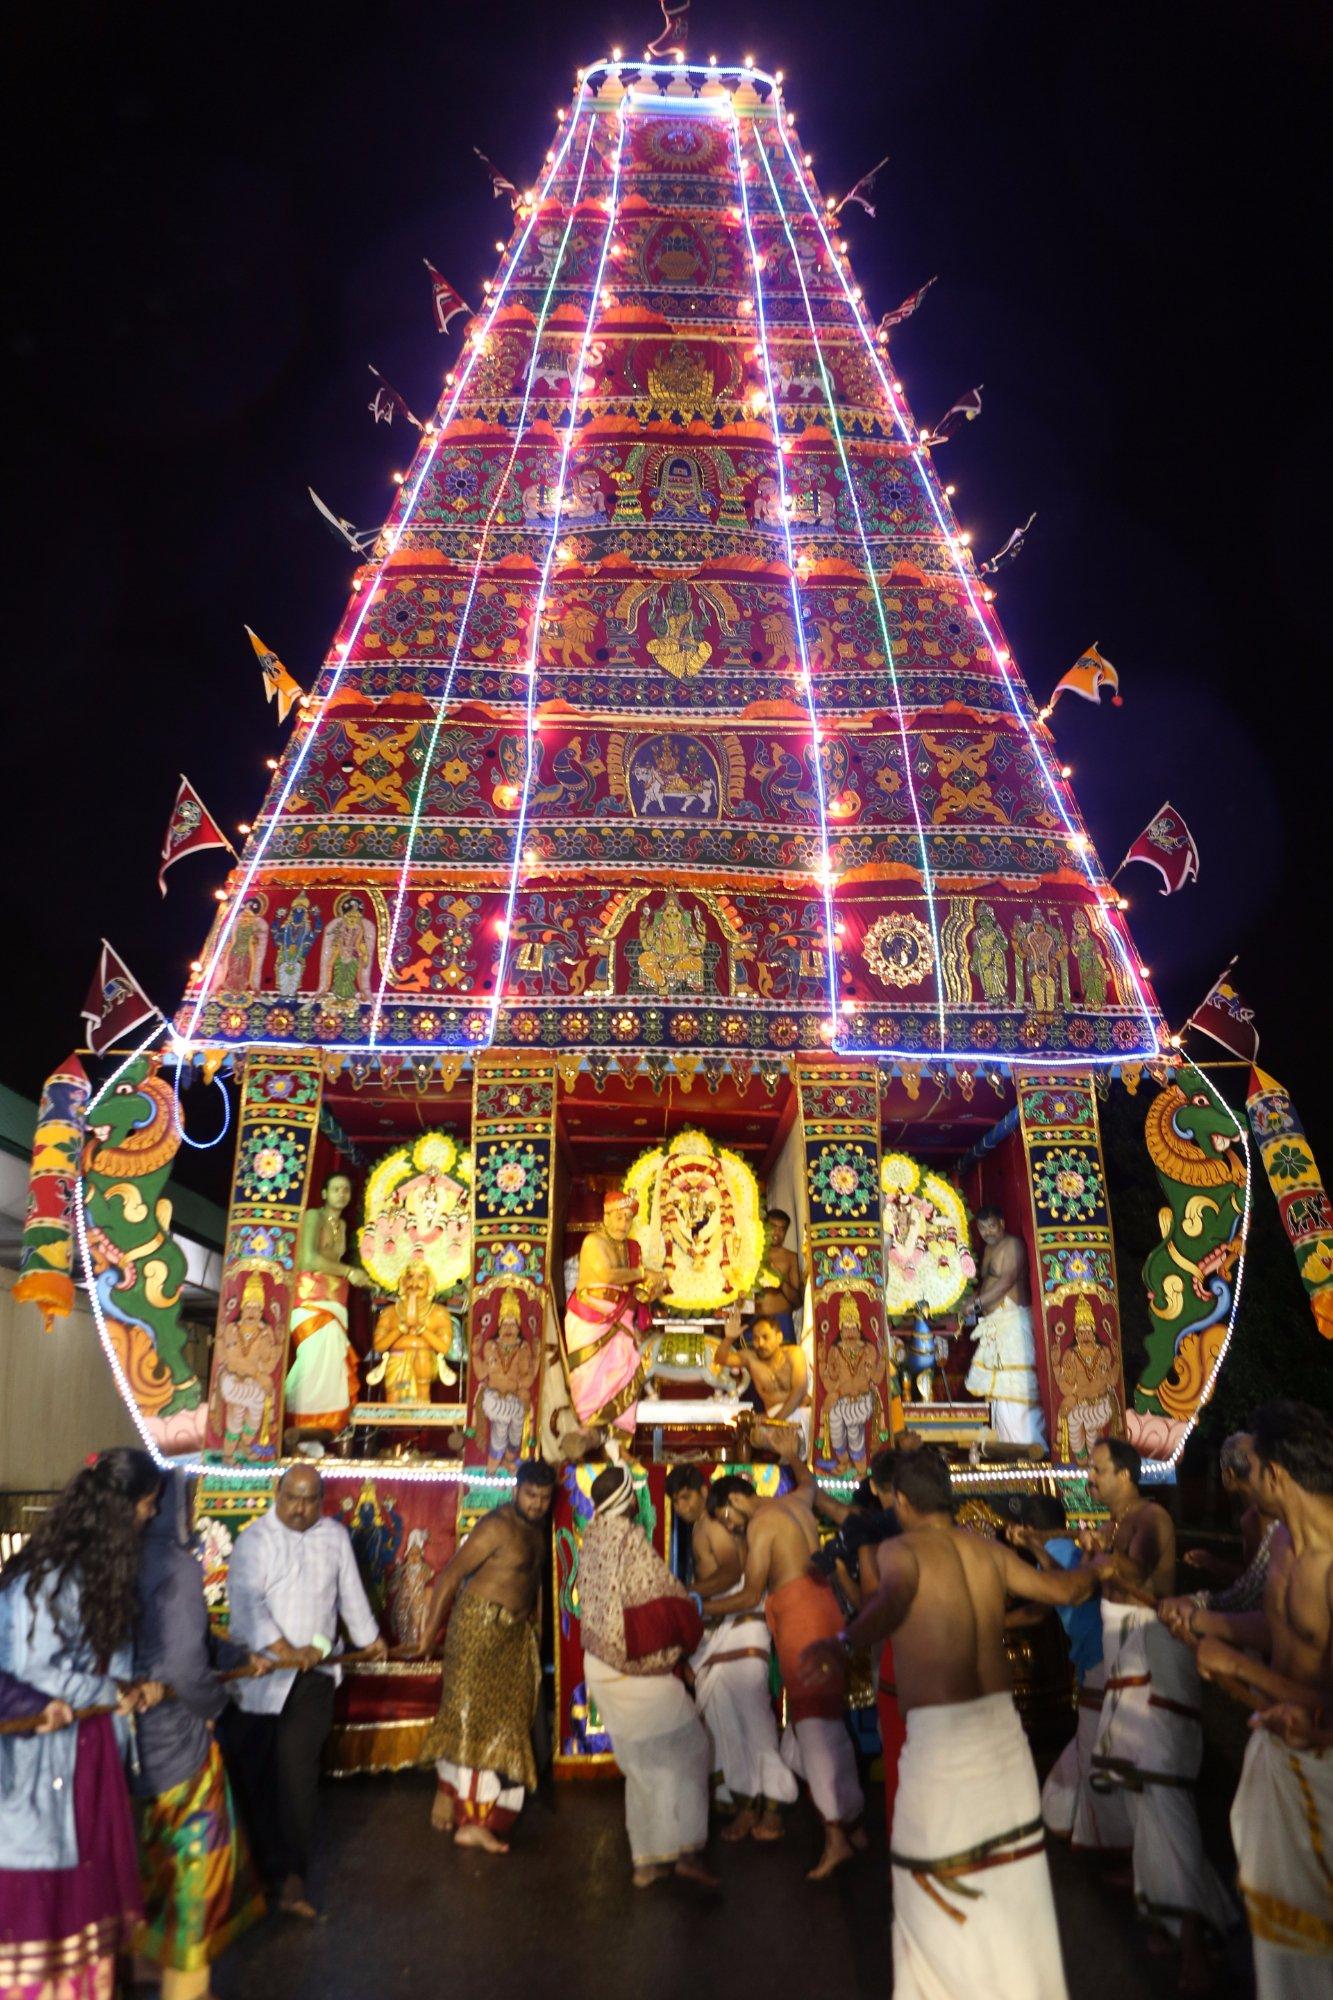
(272, 1163)
(843, 1182)
(512, 1178)
(1068, 1185)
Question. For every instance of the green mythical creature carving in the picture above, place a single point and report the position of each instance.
(134, 1133)
(1189, 1275)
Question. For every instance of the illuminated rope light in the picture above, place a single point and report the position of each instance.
(345, 647)
(798, 621)
(1079, 839)
(443, 703)
(927, 878)
(520, 829)
(203, 1145)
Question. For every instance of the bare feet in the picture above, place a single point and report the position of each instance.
(837, 1849)
(473, 1835)
(691, 1868)
(645, 1877)
(859, 1838)
(293, 1901)
(769, 1825)
(741, 1824)
(442, 1811)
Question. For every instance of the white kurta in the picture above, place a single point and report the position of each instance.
(1151, 1742)
(1069, 1805)
(965, 1779)
(1282, 1825)
(1004, 1374)
(731, 1686)
(663, 1749)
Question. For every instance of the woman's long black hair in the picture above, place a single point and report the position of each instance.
(90, 1534)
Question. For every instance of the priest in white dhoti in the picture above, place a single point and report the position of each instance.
(637, 1623)
(324, 1378)
(1003, 1371)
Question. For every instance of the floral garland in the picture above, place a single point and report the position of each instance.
(700, 1220)
(928, 1261)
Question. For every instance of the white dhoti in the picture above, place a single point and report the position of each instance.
(1151, 1744)
(323, 1380)
(731, 1686)
(1282, 1826)
(819, 1752)
(973, 1912)
(1004, 1374)
(847, 1420)
(1069, 1806)
(663, 1750)
(505, 1414)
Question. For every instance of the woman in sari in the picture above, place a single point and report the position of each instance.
(199, 1888)
(69, 1873)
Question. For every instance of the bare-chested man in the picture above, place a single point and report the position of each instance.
(481, 1740)
(1151, 1737)
(730, 1669)
(777, 1369)
(967, 1833)
(1282, 1819)
(780, 1538)
(851, 1370)
(777, 1289)
(1003, 1371)
(504, 1365)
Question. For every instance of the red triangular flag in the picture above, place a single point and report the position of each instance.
(116, 1003)
(1167, 845)
(190, 829)
(1226, 1019)
(448, 303)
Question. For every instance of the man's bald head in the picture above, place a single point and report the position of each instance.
(299, 1500)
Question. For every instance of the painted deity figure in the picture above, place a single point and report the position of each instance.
(1003, 1371)
(1093, 972)
(989, 956)
(849, 1372)
(606, 1323)
(348, 952)
(1085, 1377)
(295, 931)
(409, 1591)
(243, 960)
(246, 1363)
(1042, 952)
(506, 1365)
(323, 1380)
(412, 1340)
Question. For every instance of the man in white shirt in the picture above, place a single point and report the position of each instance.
(292, 1577)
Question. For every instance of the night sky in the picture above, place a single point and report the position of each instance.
(224, 220)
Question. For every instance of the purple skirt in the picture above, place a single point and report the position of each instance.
(67, 1924)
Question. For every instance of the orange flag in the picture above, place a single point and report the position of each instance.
(278, 683)
(1090, 673)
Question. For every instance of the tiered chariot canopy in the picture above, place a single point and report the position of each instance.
(670, 716)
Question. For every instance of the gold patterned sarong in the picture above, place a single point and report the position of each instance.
(491, 1682)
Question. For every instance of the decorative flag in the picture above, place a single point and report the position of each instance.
(1012, 547)
(1293, 1175)
(965, 411)
(500, 183)
(1087, 677)
(386, 403)
(448, 303)
(1167, 845)
(671, 41)
(190, 830)
(360, 540)
(116, 1003)
(904, 311)
(1223, 1016)
(278, 683)
(867, 181)
(46, 1260)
